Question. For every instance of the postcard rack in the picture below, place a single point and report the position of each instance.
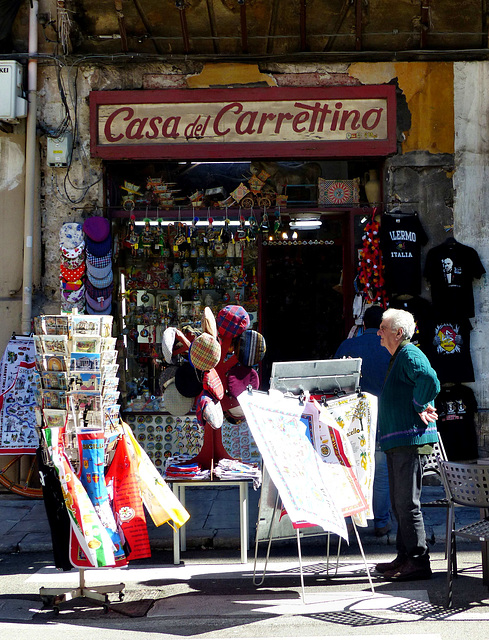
(77, 393)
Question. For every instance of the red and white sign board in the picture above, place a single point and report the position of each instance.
(241, 123)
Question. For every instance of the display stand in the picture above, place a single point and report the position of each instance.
(328, 378)
(52, 597)
(75, 359)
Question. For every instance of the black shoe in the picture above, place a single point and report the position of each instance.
(382, 567)
(382, 531)
(410, 570)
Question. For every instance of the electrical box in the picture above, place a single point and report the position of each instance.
(12, 103)
(59, 150)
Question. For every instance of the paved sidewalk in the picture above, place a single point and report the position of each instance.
(214, 522)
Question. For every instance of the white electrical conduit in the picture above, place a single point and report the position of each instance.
(30, 167)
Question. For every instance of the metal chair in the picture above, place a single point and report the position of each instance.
(466, 485)
(433, 468)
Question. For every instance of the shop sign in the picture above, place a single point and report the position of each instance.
(260, 122)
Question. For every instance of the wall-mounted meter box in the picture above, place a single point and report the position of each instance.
(12, 103)
(59, 150)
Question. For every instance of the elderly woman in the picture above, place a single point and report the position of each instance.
(407, 431)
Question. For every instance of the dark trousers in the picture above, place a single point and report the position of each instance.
(405, 467)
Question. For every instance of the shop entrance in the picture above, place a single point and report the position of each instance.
(303, 298)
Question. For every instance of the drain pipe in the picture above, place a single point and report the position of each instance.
(30, 168)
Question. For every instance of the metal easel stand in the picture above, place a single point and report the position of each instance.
(258, 583)
(53, 597)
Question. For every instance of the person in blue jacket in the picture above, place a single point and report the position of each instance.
(407, 430)
(375, 362)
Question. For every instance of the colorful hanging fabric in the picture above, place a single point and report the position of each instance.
(158, 498)
(127, 505)
(91, 447)
(89, 532)
(370, 267)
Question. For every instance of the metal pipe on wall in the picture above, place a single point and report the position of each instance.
(30, 168)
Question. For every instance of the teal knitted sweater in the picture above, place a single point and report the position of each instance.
(411, 384)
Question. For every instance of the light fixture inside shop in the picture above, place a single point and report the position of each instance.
(305, 221)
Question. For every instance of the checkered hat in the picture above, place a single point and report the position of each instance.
(99, 261)
(98, 293)
(101, 283)
(250, 348)
(208, 411)
(99, 272)
(71, 235)
(232, 321)
(175, 403)
(205, 352)
(212, 383)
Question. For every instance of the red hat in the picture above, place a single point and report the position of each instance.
(212, 383)
(239, 377)
(232, 321)
(208, 411)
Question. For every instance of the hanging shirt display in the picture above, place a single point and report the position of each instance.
(401, 239)
(456, 408)
(449, 350)
(450, 268)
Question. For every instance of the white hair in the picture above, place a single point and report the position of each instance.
(401, 319)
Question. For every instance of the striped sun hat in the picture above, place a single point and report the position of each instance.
(250, 348)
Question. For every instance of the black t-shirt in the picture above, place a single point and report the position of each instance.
(401, 239)
(456, 407)
(422, 312)
(450, 268)
(449, 347)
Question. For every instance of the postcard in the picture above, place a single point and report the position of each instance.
(54, 380)
(84, 361)
(49, 326)
(85, 381)
(54, 363)
(85, 325)
(55, 345)
(106, 326)
(53, 399)
(86, 344)
(85, 400)
(108, 344)
(54, 417)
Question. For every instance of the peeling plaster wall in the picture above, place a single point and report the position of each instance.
(471, 203)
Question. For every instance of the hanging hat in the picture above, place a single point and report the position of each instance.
(99, 261)
(99, 249)
(250, 347)
(167, 374)
(93, 312)
(102, 304)
(232, 321)
(212, 383)
(98, 294)
(71, 235)
(232, 410)
(72, 253)
(175, 403)
(101, 283)
(71, 286)
(167, 342)
(205, 352)
(208, 412)
(72, 275)
(99, 272)
(187, 382)
(96, 228)
(74, 296)
(209, 322)
(239, 377)
(72, 263)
